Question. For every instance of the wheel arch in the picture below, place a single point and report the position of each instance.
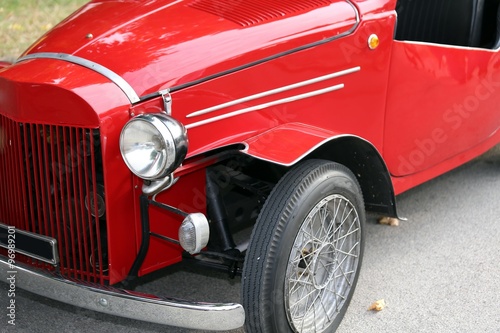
(366, 163)
(357, 154)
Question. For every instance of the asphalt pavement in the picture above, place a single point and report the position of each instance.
(437, 272)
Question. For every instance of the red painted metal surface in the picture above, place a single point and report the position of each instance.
(442, 101)
(282, 142)
(402, 184)
(338, 111)
(48, 91)
(153, 48)
(188, 194)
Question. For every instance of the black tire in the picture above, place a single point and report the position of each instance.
(289, 242)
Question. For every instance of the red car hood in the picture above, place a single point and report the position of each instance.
(161, 44)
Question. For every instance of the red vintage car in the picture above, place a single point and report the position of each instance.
(137, 134)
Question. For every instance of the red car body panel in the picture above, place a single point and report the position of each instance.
(152, 48)
(402, 184)
(365, 78)
(449, 105)
(73, 92)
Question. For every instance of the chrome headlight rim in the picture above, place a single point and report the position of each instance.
(173, 138)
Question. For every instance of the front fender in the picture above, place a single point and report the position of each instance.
(290, 143)
(287, 144)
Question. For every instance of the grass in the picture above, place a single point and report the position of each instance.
(22, 22)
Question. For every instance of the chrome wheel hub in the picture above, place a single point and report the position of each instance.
(323, 267)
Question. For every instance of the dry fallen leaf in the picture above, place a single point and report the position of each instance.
(377, 306)
(393, 222)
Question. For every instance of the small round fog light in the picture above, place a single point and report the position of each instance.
(194, 233)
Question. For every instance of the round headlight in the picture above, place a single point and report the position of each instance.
(153, 145)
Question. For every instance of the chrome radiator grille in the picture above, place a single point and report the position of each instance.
(51, 184)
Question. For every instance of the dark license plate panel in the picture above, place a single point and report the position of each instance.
(33, 245)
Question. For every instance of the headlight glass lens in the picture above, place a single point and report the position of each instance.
(150, 145)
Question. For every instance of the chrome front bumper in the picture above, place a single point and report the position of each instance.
(124, 303)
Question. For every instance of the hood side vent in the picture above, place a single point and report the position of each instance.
(251, 12)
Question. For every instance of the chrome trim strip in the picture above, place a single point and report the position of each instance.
(274, 91)
(266, 105)
(355, 11)
(448, 46)
(123, 303)
(112, 76)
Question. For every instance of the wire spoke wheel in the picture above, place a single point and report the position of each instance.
(305, 252)
(322, 264)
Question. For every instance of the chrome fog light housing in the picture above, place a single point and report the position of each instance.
(153, 145)
(194, 233)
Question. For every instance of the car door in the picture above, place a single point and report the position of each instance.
(444, 83)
